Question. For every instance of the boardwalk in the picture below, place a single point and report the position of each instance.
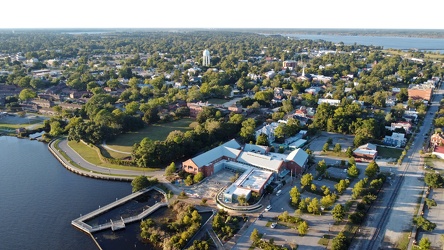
(116, 225)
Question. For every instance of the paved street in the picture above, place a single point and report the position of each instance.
(401, 215)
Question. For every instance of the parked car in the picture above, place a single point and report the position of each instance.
(261, 216)
(273, 225)
(268, 208)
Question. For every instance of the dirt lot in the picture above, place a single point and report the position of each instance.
(344, 140)
(211, 185)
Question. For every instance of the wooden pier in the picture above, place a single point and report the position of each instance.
(119, 224)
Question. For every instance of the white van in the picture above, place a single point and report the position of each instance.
(278, 192)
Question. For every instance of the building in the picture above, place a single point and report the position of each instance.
(333, 102)
(250, 155)
(407, 126)
(438, 151)
(289, 64)
(195, 108)
(365, 153)
(437, 139)
(206, 59)
(420, 91)
(251, 180)
(395, 140)
(205, 162)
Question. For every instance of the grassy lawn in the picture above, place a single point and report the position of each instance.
(336, 154)
(155, 132)
(90, 155)
(324, 240)
(384, 152)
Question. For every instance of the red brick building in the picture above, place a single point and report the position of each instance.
(420, 92)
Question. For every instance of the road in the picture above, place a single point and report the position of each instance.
(63, 145)
(392, 215)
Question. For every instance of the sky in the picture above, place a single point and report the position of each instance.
(375, 14)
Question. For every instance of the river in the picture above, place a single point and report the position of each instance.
(39, 198)
(402, 43)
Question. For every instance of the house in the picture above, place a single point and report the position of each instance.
(235, 109)
(438, 151)
(195, 108)
(407, 126)
(333, 102)
(395, 140)
(437, 139)
(267, 130)
(365, 153)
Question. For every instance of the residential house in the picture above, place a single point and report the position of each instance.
(437, 139)
(438, 151)
(407, 126)
(395, 140)
(195, 108)
(333, 102)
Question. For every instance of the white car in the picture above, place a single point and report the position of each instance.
(268, 208)
(273, 225)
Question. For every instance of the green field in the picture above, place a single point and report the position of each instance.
(155, 132)
(91, 156)
(384, 152)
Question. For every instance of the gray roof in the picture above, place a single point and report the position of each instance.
(299, 156)
(259, 160)
(229, 149)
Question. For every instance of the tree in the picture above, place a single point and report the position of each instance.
(198, 177)
(314, 206)
(255, 235)
(27, 94)
(56, 128)
(372, 169)
(349, 152)
(433, 180)
(247, 130)
(139, 183)
(170, 169)
(242, 199)
(295, 195)
(359, 188)
(424, 223)
(328, 200)
(424, 243)
(430, 203)
(340, 242)
(341, 186)
(338, 212)
(321, 167)
(262, 139)
(326, 147)
(306, 180)
(189, 180)
(337, 148)
(353, 171)
(303, 228)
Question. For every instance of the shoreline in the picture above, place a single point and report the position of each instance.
(81, 172)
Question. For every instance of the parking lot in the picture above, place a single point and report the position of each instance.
(344, 140)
